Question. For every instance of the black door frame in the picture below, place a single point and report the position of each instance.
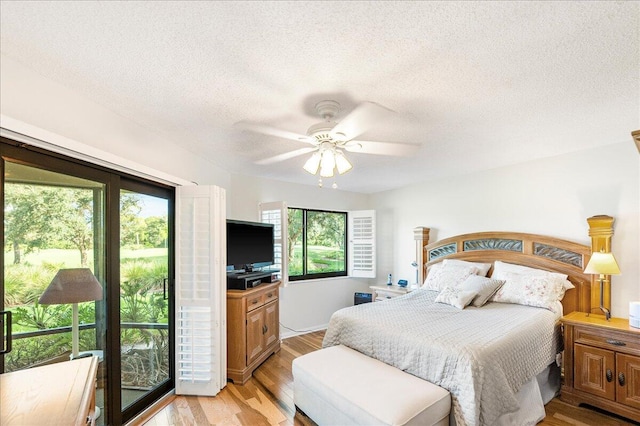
(114, 181)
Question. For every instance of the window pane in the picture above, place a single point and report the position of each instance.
(325, 242)
(295, 225)
(144, 305)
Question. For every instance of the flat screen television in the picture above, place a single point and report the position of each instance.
(249, 245)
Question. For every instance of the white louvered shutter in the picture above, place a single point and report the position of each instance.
(275, 213)
(362, 244)
(200, 290)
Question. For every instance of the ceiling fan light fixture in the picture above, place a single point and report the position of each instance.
(327, 163)
(342, 164)
(313, 163)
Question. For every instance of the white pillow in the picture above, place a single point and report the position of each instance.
(447, 275)
(531, 290)
(455, 297)
(483, 268)
(483, 287)
(500, 268)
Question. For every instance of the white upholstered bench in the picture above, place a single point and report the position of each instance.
(340, 386)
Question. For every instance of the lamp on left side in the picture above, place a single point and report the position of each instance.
(72, 286)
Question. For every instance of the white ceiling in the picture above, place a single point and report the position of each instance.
(478, 85)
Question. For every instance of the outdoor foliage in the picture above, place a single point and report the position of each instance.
(43, 223)
(325, 241)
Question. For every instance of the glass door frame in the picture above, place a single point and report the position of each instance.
(140, 187)
(114, 181)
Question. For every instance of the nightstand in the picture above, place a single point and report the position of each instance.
(602, 363)
(384, 292)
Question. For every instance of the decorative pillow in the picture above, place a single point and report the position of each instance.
(447, 275)
(483, 287)
(530, 290)
(431, 272)
(483, 268)
(500, 268)
(455, 297)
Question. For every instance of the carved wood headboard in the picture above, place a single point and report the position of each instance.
(536, 251)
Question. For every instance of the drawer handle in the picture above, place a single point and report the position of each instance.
(270, 295)
(621, 379)
(616, 342)
(609, 375)
(255, 301)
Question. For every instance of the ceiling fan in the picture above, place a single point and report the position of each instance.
(328, 138)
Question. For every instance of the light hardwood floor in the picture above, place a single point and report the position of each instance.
(267, 399)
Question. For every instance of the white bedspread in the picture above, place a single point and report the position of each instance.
(480, 355)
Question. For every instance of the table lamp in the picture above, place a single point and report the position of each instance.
(603, 264)
(72, 286)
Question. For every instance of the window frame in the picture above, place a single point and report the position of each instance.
(306, 276)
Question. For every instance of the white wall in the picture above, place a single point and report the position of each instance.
(37, 106)
(304, 305)
(554, 197)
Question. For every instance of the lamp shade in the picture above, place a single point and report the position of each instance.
(327, 164)
(312, 164)
(72, 286)
(602, 263)
(342, 164)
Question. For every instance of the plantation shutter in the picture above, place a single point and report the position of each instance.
(200, 290)
(276, 214)
(362, 244)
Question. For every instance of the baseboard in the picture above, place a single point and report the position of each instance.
(287, 332)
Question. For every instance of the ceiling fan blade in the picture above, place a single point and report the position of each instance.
(272, 131)
(363, 117)
(285, 156)
(382, 148)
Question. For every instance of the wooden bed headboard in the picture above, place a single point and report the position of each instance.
(536, 251)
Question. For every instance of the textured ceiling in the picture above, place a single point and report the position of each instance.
(477, 85)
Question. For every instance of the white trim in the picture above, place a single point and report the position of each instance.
(32, 135)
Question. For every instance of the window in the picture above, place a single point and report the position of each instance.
(317, 243)
(300, 237)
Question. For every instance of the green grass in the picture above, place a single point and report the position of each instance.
(71, 258)
(143, 253)
(322, 259)
(66, 258)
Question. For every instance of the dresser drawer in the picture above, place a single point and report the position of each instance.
(254, 302)
(270, 296)
(607, 339)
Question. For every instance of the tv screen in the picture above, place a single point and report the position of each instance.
(249, 243)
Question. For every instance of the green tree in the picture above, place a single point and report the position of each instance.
(38, 216)
(325, 229)
(29, 210)
(132, 227)
(156, 232)
(295, 229)
(76, 219)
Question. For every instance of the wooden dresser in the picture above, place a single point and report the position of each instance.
(602, 363)
(55, 394)
(253, 329)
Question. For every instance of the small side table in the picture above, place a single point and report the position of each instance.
(384, 292)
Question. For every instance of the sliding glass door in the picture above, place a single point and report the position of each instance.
(61, 215)
(53, 224)
(145, 294)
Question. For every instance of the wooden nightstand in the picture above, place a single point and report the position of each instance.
(384, 292)
(602, 363)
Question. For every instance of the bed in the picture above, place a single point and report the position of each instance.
(499, 361)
